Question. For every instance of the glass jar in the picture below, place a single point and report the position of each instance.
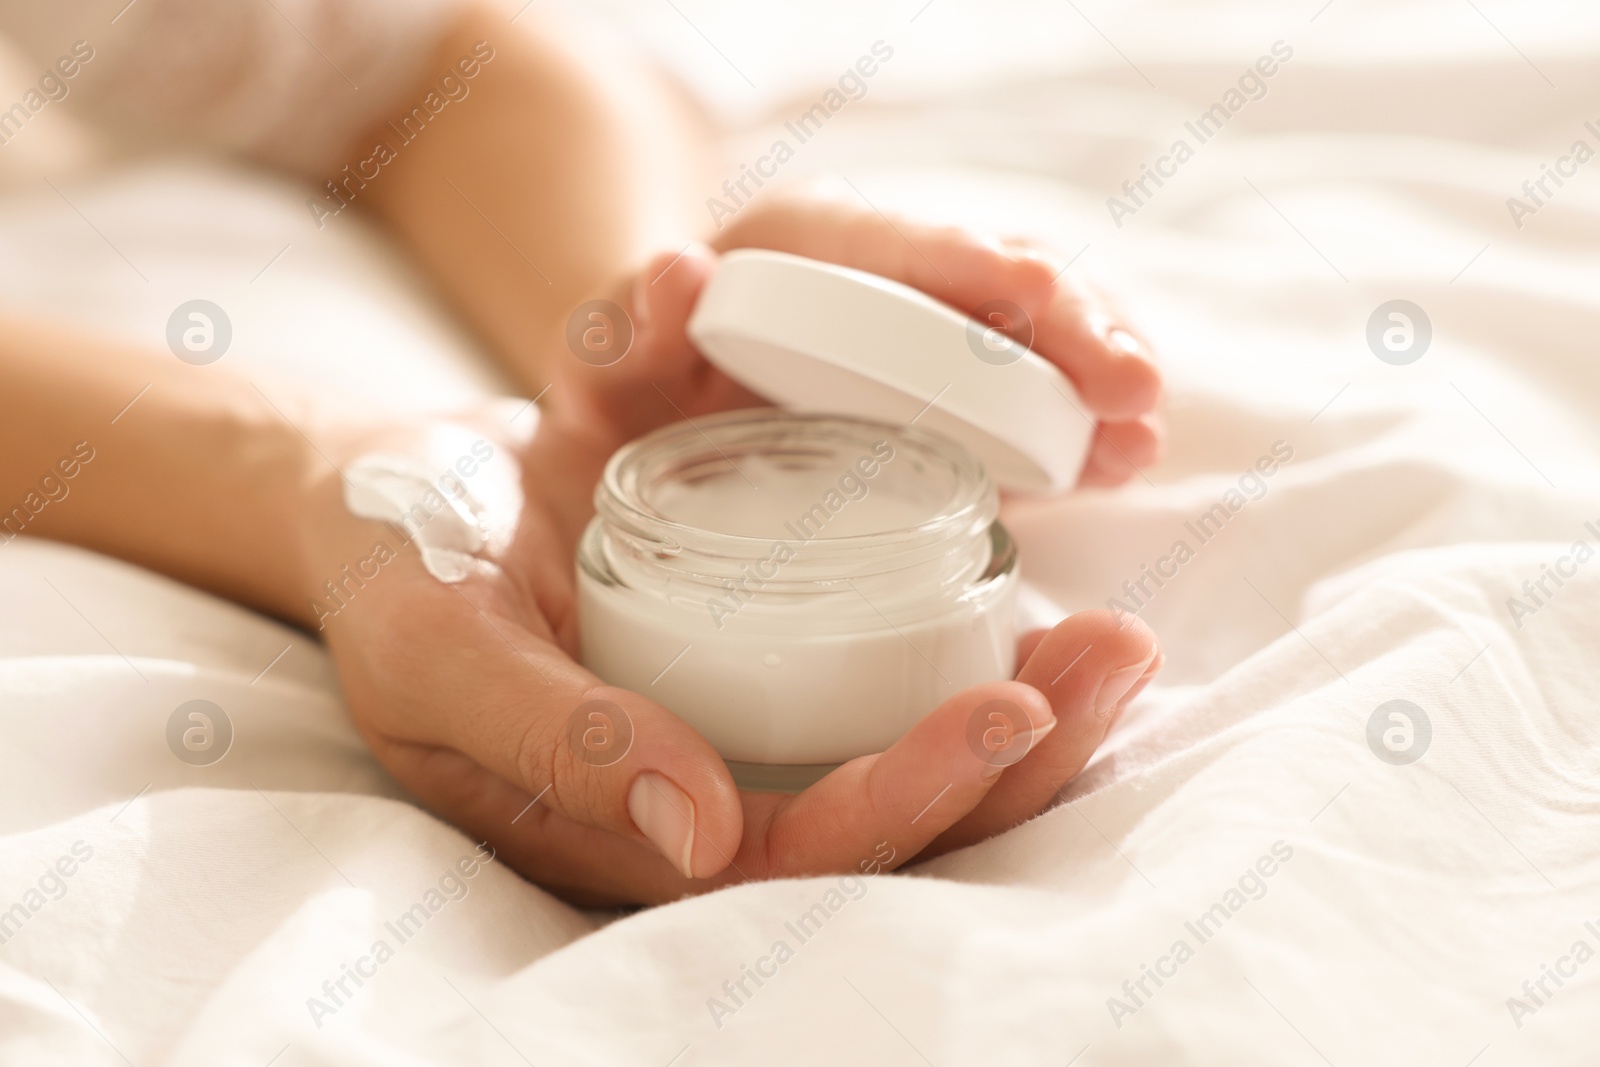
(801, 589)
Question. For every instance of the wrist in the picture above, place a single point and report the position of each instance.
(205, 485)
(278, 473)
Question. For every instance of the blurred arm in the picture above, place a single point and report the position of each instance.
(528, 165)
(181, 469)
(552, 180)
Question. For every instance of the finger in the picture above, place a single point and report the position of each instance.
(647, 341)
(1145, 679)
(581, 864)
(958, 266)
(1070, 324)
(519, 707)
(682, 382)
(661, 298)
(837, 224)
(1065, 321)
(1108, 362)
(1028, 642)
(1120, 450)
(905, 797)
(657, 376)
(1087, 667)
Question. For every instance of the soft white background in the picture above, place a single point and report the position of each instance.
(1377, 567)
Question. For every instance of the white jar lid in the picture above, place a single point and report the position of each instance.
(817, 337)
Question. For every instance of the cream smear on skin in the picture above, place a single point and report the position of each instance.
(456, 501)
(391, 488)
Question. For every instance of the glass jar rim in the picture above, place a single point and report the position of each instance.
(620, 503)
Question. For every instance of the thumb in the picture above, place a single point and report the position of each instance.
(601, 756)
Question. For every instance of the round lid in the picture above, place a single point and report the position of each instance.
(813, 336)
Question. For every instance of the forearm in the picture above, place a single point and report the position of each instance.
(558, 172)
(182, 469)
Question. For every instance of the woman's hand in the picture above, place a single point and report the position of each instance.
(470, 694)
(1073, 323)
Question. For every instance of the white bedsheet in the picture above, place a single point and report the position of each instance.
(1377, 566)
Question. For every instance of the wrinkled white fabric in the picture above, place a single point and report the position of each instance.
(288, 82)
(1377, 566)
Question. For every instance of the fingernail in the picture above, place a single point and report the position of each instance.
(1036, 736)
(1040, 733)
(640, 311)
(1155, 665)
(665, 814)
(1120, 340)
(1117, 684)
(1049, 261)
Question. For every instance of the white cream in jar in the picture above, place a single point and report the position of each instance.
(801, 589)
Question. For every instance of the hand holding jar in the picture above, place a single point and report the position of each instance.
(473, 694)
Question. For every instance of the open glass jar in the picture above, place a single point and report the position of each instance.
(799, 588)
(803, 588)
